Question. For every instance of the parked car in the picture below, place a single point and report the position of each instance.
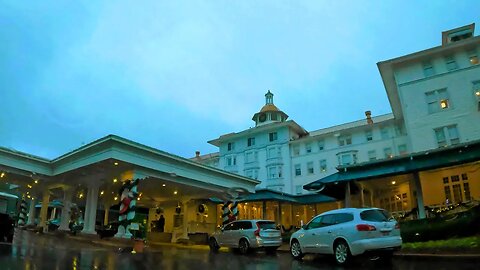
(348, 232)
(7, 228)
(245, 235)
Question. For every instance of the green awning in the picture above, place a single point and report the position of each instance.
(422, 161)
(271, 195)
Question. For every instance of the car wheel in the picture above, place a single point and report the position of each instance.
(212, 243)
(342, 253)
(296, 250)
(243, 246)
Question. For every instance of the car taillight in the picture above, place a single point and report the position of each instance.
(257, 231)
(365, 228)
(397, 226)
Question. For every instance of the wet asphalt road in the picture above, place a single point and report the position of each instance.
(31, 251)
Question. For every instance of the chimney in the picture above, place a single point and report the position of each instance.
(197, 154)
(368, 114)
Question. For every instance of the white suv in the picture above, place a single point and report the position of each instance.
(348, 232)
(246, 235)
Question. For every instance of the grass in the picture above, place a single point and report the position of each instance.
(465, 244)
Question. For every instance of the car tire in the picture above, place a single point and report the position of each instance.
(341, 253)
(296, 250)
(212, 243)
(243, 246)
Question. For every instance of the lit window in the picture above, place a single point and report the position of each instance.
(323, 165)
(472, 56)
(437, 100)
(388, 152)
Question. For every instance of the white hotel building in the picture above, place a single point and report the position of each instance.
(435, 100)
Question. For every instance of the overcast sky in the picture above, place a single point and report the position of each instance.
(175, 74)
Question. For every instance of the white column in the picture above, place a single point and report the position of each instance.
(348, 199)
(185, 220)
(31, 213)
(91, 209)
(67, 205)
(418, 188)
(44, 209)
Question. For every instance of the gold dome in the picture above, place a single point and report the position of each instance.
(269, 108)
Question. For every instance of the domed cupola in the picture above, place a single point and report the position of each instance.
(269, 113)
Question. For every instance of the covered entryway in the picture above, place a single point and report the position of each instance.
(88, 180)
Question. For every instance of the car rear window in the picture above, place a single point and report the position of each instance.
(376, 215)
(265, 225)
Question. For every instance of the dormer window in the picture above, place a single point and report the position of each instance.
(458, 34)
(273, 116)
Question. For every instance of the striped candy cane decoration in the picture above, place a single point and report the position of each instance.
(128, 202)
(23, 213)
(226, 212)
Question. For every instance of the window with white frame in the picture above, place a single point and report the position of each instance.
(388, 152)
(321, 145)
(298, 170)
(251, 141)
(308, 147)
(451, 63)
(310, 167)
(447, 135)
(273, 152)
(272, 136)
(428, 69)
(347, 158)
(296, 150)
(344, 140)
(402, 149)
(274, 172)
(476, 93)
(251, 156)
(372, 155)
(385, 133)
(437, 100)
(473, 57)
(323, 165)
(252, 173)
(230, 146)
(369, 135)
(231, 160)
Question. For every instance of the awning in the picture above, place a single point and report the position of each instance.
(271, 195)
(422, 161)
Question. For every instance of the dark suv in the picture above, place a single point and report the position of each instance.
(7, 225)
